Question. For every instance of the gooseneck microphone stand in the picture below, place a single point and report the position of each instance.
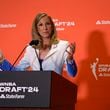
(32, 43)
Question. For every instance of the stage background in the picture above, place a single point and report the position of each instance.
(86, 22)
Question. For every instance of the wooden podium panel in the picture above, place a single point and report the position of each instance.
(36, 90)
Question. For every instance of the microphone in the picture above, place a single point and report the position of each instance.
(33, 43)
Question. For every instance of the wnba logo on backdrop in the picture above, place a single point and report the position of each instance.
(93, 66)
(61, 25)
(99, 69)
(101, 22)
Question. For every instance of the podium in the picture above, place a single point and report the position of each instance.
(36, 90)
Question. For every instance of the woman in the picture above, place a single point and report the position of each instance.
(49, 54)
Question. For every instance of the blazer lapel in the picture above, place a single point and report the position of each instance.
(52, 51)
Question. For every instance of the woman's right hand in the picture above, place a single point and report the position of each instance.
(1, 57)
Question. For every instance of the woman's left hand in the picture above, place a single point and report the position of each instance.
(71, 51)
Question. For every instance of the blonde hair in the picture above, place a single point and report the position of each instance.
(35, 33)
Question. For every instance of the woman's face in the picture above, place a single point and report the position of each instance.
(44, 27)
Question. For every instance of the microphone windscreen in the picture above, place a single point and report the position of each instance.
(34, 42)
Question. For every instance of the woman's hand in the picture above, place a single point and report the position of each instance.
(71, 51)
(1, 57)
